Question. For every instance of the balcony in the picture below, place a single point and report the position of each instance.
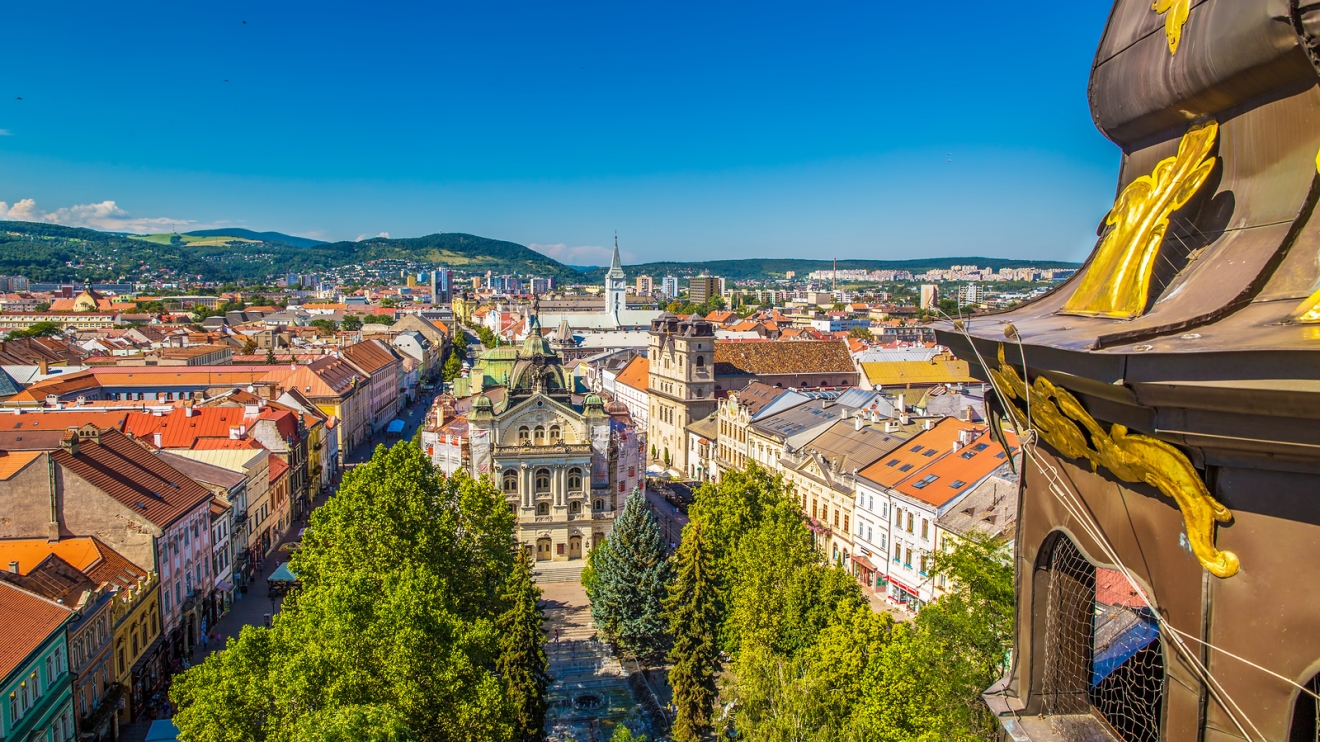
(545, 518)
(606, 515)
(552, 449)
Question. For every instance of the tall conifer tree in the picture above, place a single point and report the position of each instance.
(692, 610)
(522, 663)
(627, 603)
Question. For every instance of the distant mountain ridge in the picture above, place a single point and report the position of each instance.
(46, 252)
(248, 234)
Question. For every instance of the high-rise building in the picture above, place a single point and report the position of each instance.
(702, 288)
(930, 296)
(411, 281)
(644, 286)
(442, 286)
(669, 286)
(972, 293)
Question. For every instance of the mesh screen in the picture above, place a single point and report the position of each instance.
(1102, 647)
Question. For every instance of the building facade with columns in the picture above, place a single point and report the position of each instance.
(563, 467)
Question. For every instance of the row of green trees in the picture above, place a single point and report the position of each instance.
(751, 616)
(416, 621)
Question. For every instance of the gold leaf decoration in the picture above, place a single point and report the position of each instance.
(1132, 457)
(1118, 280)
(1309, 310)
(1175, 14)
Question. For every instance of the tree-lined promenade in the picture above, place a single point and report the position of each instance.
(417, 620)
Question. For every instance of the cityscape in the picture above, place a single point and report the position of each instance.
(792, 485)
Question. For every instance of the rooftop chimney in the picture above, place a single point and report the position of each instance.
(858, 422)
(13, 567)
(155, 440)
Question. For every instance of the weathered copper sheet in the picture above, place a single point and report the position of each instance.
(1232, 51)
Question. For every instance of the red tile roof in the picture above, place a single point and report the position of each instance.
(370, 356)
(636, 374)
(277, 469)
(129, 473)
(29, 620)
(769, 358)
(916, 454)
(957, 471)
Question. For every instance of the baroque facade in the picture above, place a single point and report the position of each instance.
(564, 468)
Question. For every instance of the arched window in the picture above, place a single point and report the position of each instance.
(554, 434)
(701, 361)
(538, 436)
(542, 508)
(1086, 666)
(574, 507)
(510, 482)
(524, 436)
(599, 505)
(542, 481)
(575, 480)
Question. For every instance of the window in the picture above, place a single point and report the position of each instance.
(898, 553)
(542, 481)
(924, 481)
(929, 452)
(915, 449)
(701, 361)
(599, 505)
(555, 434)
(868, 533)
(845, 523)
(870, 500)
(575, 480)
(925, 529)
(957, 483)
(574, 507)
(905, 467)
(524, 436)
(538, 435)
(510, 482)
(543, 508)
(907, 558)
(923, 564)
(910, 521)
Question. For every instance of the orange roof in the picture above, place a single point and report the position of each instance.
(87, 554)
(29, 620)
(178, 429)
(63, 420)
(636, 374)
(12, 462)
(957, 471)
(922, 449)
(277, 468)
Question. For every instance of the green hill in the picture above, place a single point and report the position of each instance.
(48, 252)
(247, 234)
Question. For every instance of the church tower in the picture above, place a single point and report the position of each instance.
(616, 287)
(681, 385)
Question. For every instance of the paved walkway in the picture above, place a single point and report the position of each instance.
(590, 695)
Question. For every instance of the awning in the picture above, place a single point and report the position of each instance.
(866, 563)
(283, 574)
(395, 426)
(901, 586)
(226, 585)
(162, 731)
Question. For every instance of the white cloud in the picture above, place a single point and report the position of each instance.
(106, 216)
(579, 255)
(6, 133)
(361, 237)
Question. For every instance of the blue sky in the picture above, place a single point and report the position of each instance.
(696, 130)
